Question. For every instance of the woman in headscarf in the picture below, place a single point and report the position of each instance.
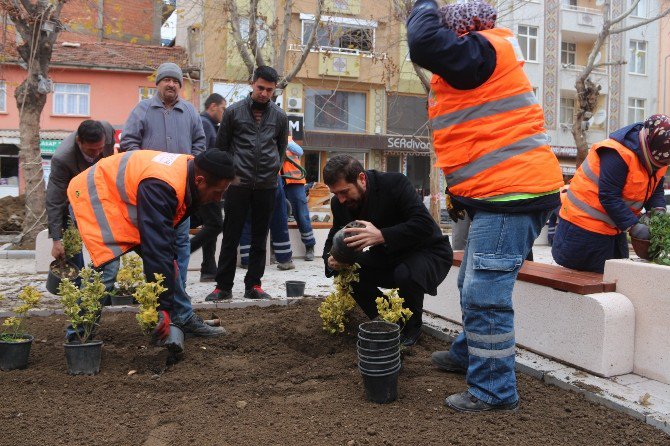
(621, 176)
(489, 138)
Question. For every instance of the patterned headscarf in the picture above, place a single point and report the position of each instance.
(474, 15)
(655, 141)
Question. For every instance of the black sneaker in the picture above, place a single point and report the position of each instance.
(410, 335)
(218, 295)
(443, 361)
(309, 254)
(466, 402)
(196, 326)
(256, 292)
(204, 277)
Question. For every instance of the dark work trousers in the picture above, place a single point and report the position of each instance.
(240, 201)
(209, 216)
(365, 291)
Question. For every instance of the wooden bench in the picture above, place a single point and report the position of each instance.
(557, 277)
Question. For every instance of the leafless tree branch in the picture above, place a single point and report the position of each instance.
(306, 49)
(640, 23)
(283, 43)
(231, 7)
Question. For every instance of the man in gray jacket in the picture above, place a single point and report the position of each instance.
(255, 131)
(92, 141)
(168, 123)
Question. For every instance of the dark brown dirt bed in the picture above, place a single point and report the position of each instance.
(276, 379)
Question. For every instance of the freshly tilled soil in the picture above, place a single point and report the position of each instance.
(276, 379)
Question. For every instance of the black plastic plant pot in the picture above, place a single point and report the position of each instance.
(381, 388)
(379, 330)
(376, 359)
(54, 278)
(14, 355)
(374, 344)
(175, 340)
(122, 300)
(295, 288)
(340, 251)
(83, 359)
(377, 353)
(378, 367)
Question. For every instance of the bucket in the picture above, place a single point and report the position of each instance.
(374, 344)
(378, 330)
(14, 355)
(641, 247)
(378, 367)
(83, 359)
(295, 288)
(381, 387)
(389, 357)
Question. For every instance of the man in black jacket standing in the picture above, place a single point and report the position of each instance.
(209, 215)
(407, 248)
(255, 132)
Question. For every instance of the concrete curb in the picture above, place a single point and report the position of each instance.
(17, 254)
(598, 390)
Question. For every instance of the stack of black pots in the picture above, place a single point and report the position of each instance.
(379, 360)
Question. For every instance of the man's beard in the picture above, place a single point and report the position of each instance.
(259, 105)
(356, 205)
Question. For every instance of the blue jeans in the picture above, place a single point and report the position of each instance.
(296, 195)
(496, 247)
(181, 306)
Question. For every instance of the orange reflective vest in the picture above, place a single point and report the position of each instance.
(104, 198)
(490, 141)
(290, 171)
(580, 204)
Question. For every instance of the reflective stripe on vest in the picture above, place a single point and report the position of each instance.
(594, 177)
(121, 187)
(484, 110)
(291, 173)
(105, 229)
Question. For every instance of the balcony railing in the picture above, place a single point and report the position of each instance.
(580, 68)
(582, 9)
(338, 50)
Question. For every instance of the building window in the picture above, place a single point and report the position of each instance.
(71, 99)
(393, 163)
(147, 93)
(407, 115)
(3, 96)
(312, 161)
(640, 10)
(637, 57)
(569, 3)
(528, 42)
(568, 53)
(567, 111)
(335, 110)
(635, 110)
(342, 37)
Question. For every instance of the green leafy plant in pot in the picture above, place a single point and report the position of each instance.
(129, 278)
(65, 268)
(15, 343)
(657, 248)
(82, 309)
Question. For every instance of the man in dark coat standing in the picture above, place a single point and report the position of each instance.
(407, 248)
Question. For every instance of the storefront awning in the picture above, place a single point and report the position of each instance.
(347, 141)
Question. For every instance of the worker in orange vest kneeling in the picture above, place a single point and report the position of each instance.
(619, 177)
(133, 201)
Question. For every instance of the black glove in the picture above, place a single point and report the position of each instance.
(640, 231)
(455, 211)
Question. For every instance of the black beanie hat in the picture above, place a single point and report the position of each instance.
(218, 163)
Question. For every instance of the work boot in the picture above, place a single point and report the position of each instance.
(219, 295)
(466, 402)
(197, 327)
(309, 254)
(444, 362)
(256, 292)
(286, 265)
(206, 277)
(244, 265)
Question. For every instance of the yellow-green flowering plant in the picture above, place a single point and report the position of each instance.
(339, 302)
(389, 307)
(71, 241)
(12, 327)
(83, 306)
(130, 275)
(147, 295)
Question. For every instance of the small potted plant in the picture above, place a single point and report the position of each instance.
(65, 268)
(657, 248)
(146, 295)
(128, 279)
(14, 342)
(82, 309)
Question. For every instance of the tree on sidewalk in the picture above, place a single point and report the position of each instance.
(271, 49)
(37, 24)
(587, 90)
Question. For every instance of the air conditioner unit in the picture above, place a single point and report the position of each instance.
(295, 103)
